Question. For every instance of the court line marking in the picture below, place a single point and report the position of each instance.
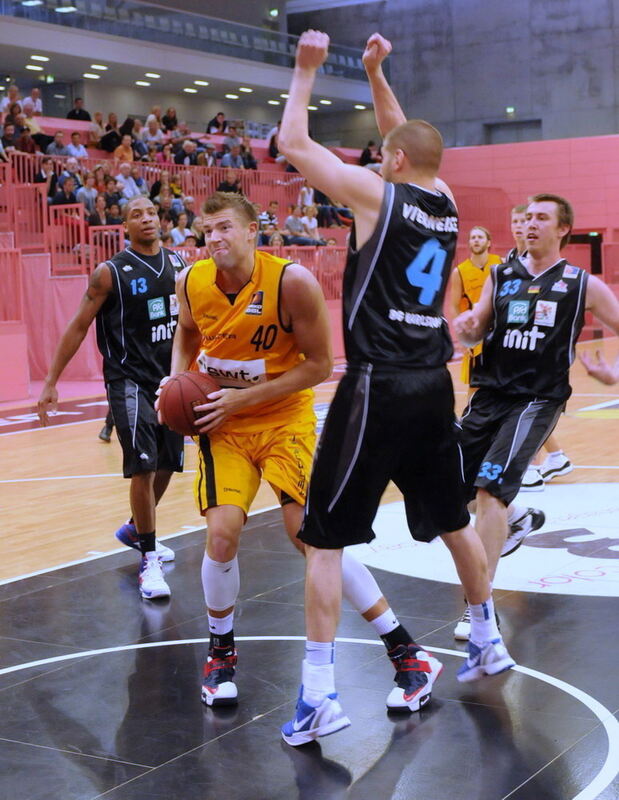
(611, 725)
(86, 559)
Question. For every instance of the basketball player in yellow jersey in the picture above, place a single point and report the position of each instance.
(259, 325)
(467, 281)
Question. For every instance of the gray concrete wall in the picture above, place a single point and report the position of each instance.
(460, 63)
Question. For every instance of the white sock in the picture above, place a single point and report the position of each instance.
(483, 623)
(221, 625)
(514, 513)
(556, 453)
(358, 584)
(319, 653)
(221, 583)
(385, 622)
(318, 682)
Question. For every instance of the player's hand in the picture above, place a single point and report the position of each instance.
(599, 368)
(48, 401)
(162, 383)
(221, 405)
(376, 51)
(465, 326)
(312, 50)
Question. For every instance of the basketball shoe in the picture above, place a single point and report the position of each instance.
(415, 674)
(489, 659)
(462, 631)
(532, 480)
(531, 520)
(555, 464)
(151, 580)
(218, 688)
(309, 722)
(128, 536)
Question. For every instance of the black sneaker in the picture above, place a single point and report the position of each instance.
(217, 686)
(415, 674)
(105, 434)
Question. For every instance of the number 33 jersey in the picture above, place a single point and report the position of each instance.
(394, 285)
(245, 340)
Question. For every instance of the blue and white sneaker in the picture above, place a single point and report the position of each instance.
(490, 659)
(128, 536)
(309, 723)
(151, 580)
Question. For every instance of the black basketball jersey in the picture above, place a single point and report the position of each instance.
(136, 323)
(537, 320)
(395, 284)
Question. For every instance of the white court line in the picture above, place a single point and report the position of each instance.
(85, 560)
(600, 782)
(80, 477)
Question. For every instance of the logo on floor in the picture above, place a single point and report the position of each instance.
(576, 552)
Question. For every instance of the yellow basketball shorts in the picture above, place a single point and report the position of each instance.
(231, 465)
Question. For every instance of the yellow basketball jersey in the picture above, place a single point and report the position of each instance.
(245, 340)
(473, 279)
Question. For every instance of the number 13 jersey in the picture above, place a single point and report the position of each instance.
(246, 341)
(394, 285)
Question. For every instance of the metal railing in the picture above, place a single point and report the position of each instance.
(153, 23)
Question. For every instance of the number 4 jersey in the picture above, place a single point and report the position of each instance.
(394, 285)
(246, 341)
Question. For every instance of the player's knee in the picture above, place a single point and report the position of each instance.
(222, 542)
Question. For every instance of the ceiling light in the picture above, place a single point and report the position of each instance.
(32, 3)
(326, 102)
(92, 75)
(510, 110)
(152, 74)
(312, 108)
(190, 90)
(201, 83)
(284, 95)
(273, 12)
(245, 89)
(273, 102)
(360, 107)
(60, 96)
(34, 67)
(39, 58)
(142, 83)
(65, 9)
(232, 96)
(101, 67)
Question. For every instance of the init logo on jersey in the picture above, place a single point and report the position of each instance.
(255, 304)
(522, 340)
(163, 332)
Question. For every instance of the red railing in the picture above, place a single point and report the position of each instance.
(104, 241)
(29, 215)
(67, 240)
(11, 299)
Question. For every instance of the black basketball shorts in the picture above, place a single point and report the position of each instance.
(500, 436)
(386, 425)
(147, 446)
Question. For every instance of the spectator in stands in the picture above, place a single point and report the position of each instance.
(166, 224)
(197, 228)
(233, 158)
(152, 133)
(165, 156)
(112, 123)
(25, 143)
(188, 154)
(310, 222)
(177, 190)
(169, 120)
(97, 131)
(13, 112)
(180, 232)
(295, 230)
(42, 139)
(100, 178)
(269, 217)
(87, 194)
(162, 181)
(190, 241)
(264, 237)
(3, 154)
(331, 242)
(129, 186)
(218, 124)
(57, 147)
(273, 144)
(139, 181)
(249, 160)
(99, 216)
(47, 175)
(306, 195)
(66, 195)
(124, 151)
(12, 96)
(276, 240)
(78, 111)
(370, 155)
(139, 148)
(33, 105)
(111, 138)
(75, 147)
(327, 214)
(8, 138)
(112, 194)
(208, 158)
(231, 182)
(156, 113)
(164, 202)
(71, 170)
(189, 209)
(232, 139)
(113, 215)
(151, 154)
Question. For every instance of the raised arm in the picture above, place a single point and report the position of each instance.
(355, 186)
(99, 287)
(471, 326)
(388, 111)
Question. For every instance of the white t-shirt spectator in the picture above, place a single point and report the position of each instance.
(179, 235)
(147, 137)
(31, 105)
(306, 196)
(311, 225)
(79, 151)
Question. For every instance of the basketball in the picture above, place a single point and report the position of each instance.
(180, 395)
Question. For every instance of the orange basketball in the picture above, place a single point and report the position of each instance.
(180, 395)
